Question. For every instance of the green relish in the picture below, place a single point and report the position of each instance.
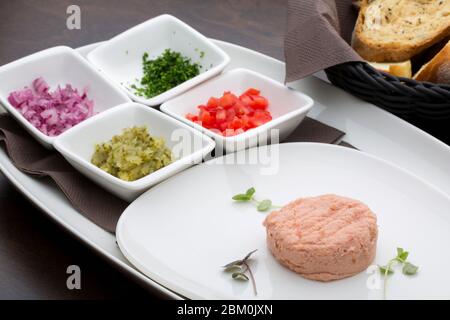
(165, 72)
(132, 154)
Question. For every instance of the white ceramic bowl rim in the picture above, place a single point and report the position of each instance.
(35, 58)
(208, 144)
(225, 59)
(255, 131)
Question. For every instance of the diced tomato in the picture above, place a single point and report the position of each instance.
(245, 122)
(236, 123)
(252, 92)
(247, 100)
(212, 103)
(263, 114)
(256, 122)
(223, 126)
(260, 117)
(202, 109)
(241, 109)
(260, 102)
(230, 115)
(221, 115)
(206, 118)
(192, 117)
(228, 99)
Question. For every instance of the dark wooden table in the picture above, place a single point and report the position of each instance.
(35, 252)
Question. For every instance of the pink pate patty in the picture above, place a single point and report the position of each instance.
(323, 238)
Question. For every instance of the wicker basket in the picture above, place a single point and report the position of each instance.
(407, 98)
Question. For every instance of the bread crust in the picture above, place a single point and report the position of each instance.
(399, 69)
(437, 70)
(402, 46)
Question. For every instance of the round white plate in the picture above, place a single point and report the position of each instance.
(182, 231)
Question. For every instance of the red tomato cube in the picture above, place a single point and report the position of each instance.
(260, 102)
(221, 116)
(230, 115)
(252, 92)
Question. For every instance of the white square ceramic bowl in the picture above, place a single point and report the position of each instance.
(58, 66)
(121, 57)
(288, 107)
(77, 145)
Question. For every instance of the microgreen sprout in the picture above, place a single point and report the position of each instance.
(248, 196)
(240, 268)
(408, 268)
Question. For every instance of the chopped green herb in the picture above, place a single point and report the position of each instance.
(165, 72)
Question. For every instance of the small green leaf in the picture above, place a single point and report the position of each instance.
(242, 197)
(233, 268)
(403, 256)
(249, 254)
(239, 276)
(409, 269)
(233, 263)
(239, 269)
(264, 205)
(250, 192)
(383, 270)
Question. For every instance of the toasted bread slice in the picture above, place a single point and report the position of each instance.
(437, 70)
(399, 69)
(396, 30)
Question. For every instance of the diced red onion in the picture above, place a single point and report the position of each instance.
(52, 112)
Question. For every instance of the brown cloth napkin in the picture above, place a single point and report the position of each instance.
(318, 36)
(93, 202)
(311, 130)
(29, 156)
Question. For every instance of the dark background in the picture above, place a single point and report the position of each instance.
(34, 252)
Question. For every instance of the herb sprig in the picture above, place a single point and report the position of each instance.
(248, 196)
(240, 268)
(408, 268)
